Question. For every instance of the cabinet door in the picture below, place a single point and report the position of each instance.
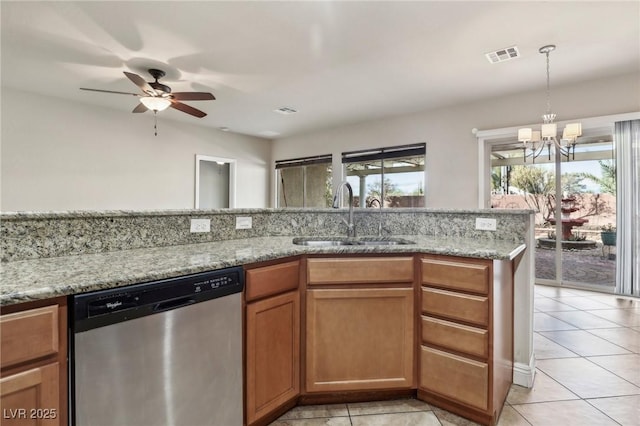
(31, 397)
(359, 339)
(273, 354)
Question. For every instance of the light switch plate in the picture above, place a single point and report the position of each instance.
(243, 222)
(200, 225)
(485, 224)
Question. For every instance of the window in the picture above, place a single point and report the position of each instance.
(304, 182)
(401, 168)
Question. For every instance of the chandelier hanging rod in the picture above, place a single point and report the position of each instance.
(535, 140)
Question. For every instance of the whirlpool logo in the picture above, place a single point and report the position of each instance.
(113, 305)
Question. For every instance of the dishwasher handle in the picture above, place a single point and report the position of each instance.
(173, 304)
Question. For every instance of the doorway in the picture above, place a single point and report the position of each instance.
(215, 182)
(581, 190)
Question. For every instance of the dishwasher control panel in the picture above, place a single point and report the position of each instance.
(105, 307)
(214, 282)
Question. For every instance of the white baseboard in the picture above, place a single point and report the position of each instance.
(524, 374)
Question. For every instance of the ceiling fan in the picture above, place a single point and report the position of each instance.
(158, 97)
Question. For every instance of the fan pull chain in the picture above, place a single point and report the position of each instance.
(155, 122)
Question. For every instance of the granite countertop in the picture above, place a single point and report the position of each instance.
(36, 279)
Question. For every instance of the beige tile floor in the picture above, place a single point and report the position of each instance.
(587, 347)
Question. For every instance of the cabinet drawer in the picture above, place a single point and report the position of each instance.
(269, 280)
(466, 276)
(360, 270)
(456, 306)
(456, 377)
(28, 335)
(458, 337)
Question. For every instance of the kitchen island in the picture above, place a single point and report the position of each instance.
(116, 249)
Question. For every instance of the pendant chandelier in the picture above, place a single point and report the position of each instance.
(535, 140)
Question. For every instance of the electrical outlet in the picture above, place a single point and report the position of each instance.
(485, 224)
(243, 222)
(200, 225)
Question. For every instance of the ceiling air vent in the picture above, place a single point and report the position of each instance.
(285, 110)
(503, 54)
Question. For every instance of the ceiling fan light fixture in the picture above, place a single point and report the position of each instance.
(155, 103)
(156, 96)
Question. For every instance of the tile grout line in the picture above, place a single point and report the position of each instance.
(520, 414)
(613, 343)
(612, 419)
(620, 377)
(587, 331)
(559, 344)
(588, 313)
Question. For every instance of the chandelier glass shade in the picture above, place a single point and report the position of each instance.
(536, 140)
(155, 103)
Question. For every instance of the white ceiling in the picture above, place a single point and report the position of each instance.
(336, 62)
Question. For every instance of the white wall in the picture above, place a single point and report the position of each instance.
(451, 159)
(60, 155)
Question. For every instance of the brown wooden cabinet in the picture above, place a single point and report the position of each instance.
(272, 340)
(360, 320)
(466, 355)
(33, 387)
(32, 396)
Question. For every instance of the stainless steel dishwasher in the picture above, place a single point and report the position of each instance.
(160, 353)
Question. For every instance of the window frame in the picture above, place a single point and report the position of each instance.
(299, 162)
(386, 153)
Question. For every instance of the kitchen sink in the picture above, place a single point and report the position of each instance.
(343, 241)
(383, 241)
(324, 241)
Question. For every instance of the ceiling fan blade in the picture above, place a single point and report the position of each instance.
(193, 96)
(141, 83)
(140, 108)
(110, 91)
(186, 108)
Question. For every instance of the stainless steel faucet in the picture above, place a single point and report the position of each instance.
(351, 226)
(377, 201)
